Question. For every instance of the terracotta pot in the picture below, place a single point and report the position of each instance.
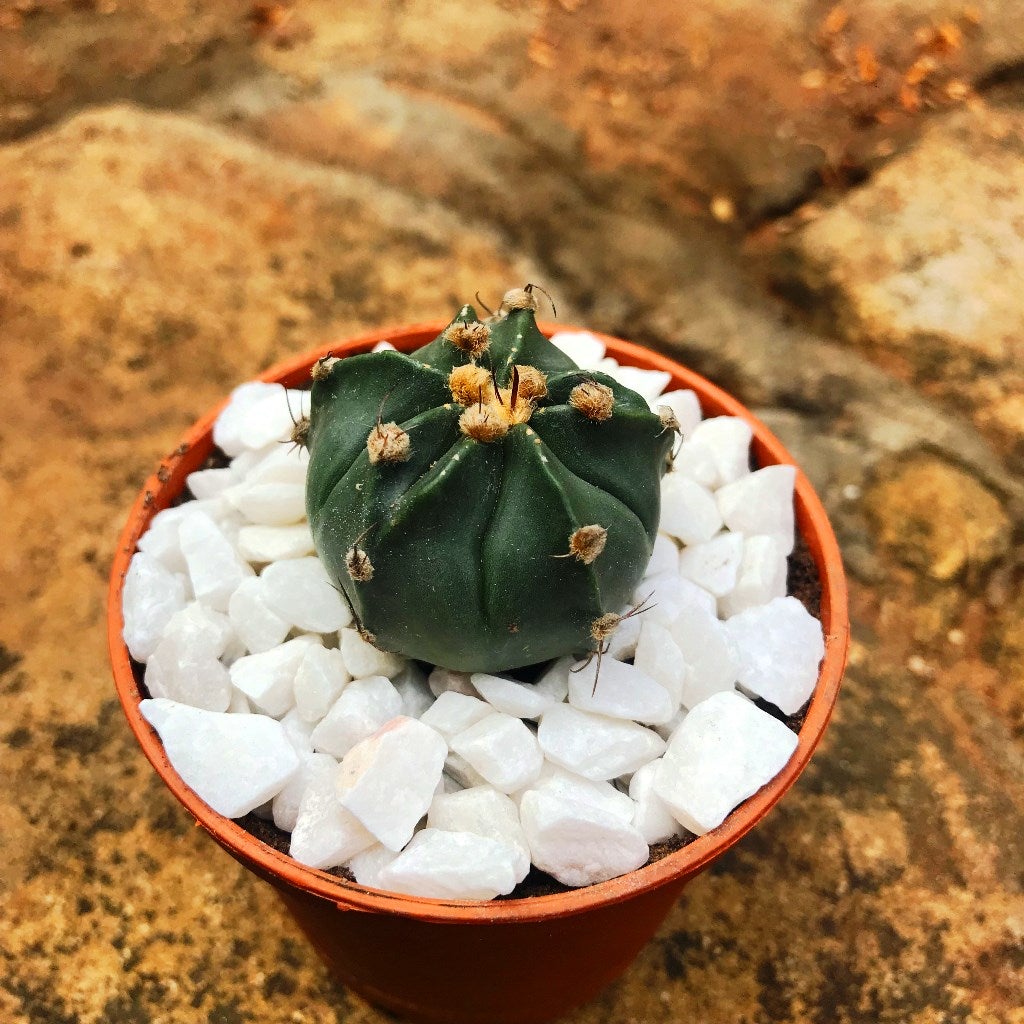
(503, 962)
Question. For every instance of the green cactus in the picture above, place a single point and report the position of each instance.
(483, 503)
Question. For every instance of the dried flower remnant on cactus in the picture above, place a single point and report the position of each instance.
(460, 488)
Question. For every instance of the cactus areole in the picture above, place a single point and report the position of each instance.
(482, 502)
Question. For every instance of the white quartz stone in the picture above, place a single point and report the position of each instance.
(618, 690)
(299, 731)
(411, 683)
(362, 659)
(652, 818)
(553, 682)
(715, 564)
(451, 865)
(502, 749)
(658, 656)
(269, 504)
(686, 406)
(649, 384)
(161, 540)
(367, 865)
(583, 348)
(285, 806)
(723, 753)
(664, 557)
(665, 731)
(779, 647)
(696, 463)
(453, 712)
(462, 772)
(483, 811)
(573, 788)
(299, 591)
(214, 566)
(441, 680)
(271, 543)
(761, 503)
(233, 762)
(665, 598)
(258, 628)
(711, 665)
(521, 700)
(282, 464)
(210, 483)
(152, 596)
(268, 678)
(319, 680)
(325, 834)
(578, 843)
(365, 705)
(594, 746)
(621, 645)
(761, 577)
(388, 780)
(185, 666)
(727, 439)
(229, 430)
(688, 511)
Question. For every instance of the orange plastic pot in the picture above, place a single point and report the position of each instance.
(503, 962)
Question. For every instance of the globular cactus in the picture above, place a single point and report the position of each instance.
(483, 503)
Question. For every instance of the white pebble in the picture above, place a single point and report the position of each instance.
(667, 730)
(152, 596)
(664, 557)
(761, 503)
(761, 577)
(779, 647)
(594, 746)
(521, 700)
(652, 818)
(161, 540)
(483, 811)
(696, 463)
(502, 749)
(272, 543)
(715, 564)
(299, 591)
(583, 348)
(573, 788)
(255, 624)
(268, 678)
(319, 680)
(388, 781)
(299, 731)
(618, 690)
(367, 866)
(411, 683)
(711, 665)
(229, 432)
(441, 680)
(365, 705)
(185, 666)
(284, 808)
(362, 659)
(214, 566)
(462, 772)
(649, 384)
(210, 483)
(325, 834)
(723, 753)
(686, 406)
(282, 464)
(658, 656)
(688, 510)
(665, 598)
(622, 642)
(270, 504)
(233, 762)
(727, 440)
(453, 712)
(451, 865)
(553, 682)
(579, 844)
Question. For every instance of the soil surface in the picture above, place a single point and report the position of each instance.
(819, 206)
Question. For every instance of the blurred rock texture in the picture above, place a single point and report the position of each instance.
(820, 207)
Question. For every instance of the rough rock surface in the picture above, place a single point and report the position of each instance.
(149, 261)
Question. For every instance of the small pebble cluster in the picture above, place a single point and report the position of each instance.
(449, 785)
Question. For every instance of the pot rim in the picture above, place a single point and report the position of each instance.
(812, 522)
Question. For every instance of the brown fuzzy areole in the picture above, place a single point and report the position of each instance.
(358, 564)
(586, 543)
(603, 627)
(594, 400)
(387, 442)
(533, 383)
(472, 339)
(483, 422)
(322, 367)
(300, 432)
(518, 298)
(668, 418)
(470, 384)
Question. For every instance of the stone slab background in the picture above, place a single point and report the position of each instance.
(820, 207)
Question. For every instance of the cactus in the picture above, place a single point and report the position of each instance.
(483, 503)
